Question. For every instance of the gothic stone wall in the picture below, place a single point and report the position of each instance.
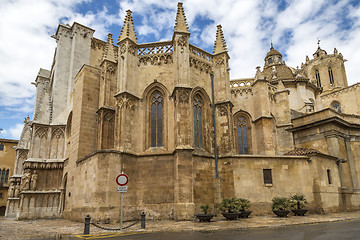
(175, 185)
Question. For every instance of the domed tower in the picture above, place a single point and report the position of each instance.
(327, 71)
(275, 68)
(273, 58)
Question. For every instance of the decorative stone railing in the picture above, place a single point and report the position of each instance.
(155, 53)
(195, 51)
(155, 48)
(241, 83)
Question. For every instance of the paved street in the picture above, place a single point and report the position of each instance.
(255, 227)
(321, 231)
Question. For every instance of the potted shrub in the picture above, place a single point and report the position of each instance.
(244, 205)
(229, 208)
(205, 216)
(297, 203)
(280, 206)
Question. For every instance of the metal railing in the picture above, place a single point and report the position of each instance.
(88, 222)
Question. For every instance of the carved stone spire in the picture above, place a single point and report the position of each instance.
(220, 44)
(180, 21)
(109, 49)
(128, 30)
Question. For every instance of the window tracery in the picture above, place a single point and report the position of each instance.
(197, 108)
(156, 115)
(336, 106)
(242, 129)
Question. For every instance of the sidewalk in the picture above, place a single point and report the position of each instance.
(60, 228)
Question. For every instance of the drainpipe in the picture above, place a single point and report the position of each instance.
(215, 142)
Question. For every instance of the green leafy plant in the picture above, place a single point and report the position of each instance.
(298, 201)
(280, 203)
(205, 208)
(244, 204)
(229, 205)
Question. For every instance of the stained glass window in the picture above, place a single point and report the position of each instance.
(242, 133)
(336, 106)
(157, 104)
(197, 121)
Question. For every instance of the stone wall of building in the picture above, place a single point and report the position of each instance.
(7, 162)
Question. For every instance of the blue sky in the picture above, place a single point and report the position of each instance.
(249, 26)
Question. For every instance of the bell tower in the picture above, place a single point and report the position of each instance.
(327, 71)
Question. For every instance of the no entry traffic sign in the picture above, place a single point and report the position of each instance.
(122, 179)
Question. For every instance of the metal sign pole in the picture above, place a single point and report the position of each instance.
(121, 212)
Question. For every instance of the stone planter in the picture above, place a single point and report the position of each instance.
(281, 213)
(205, 217)
(230, 216)
(299, 212)
(244, 214)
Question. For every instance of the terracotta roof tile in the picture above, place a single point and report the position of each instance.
(302, 151)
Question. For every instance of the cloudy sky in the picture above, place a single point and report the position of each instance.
(294, 26)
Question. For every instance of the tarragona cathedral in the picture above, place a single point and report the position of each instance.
(147, 109)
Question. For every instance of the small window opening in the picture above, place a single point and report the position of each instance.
(1, 147)
(329, 176)
(331, 77)
(336, 106)
(317, 75)
(267, 176)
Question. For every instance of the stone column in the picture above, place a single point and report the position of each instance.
(182, 116)
(184, 207)
(353, 174)
(125, 121)
(224, 128)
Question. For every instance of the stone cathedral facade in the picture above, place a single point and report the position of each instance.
(146, 109)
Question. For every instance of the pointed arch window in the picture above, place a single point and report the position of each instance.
(242, 135)
(197, 108)
(331, 77)
(317, 75)
(156, 115)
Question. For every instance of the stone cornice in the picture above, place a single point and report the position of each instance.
(261, 117)
(321, 121)
(126, 93)
(347, 89)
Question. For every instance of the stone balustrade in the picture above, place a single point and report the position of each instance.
(155, 48)
(200, 53)
(241, 83)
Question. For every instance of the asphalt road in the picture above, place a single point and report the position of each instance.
(349, 230)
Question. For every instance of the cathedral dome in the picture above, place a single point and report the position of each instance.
(273, 57)
(272, 52)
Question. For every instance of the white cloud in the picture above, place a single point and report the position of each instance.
(25, 29)
(15, 131)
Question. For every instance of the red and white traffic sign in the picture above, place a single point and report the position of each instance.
(122, 179)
